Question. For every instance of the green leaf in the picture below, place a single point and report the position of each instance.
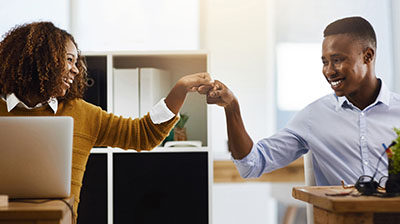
(182, 121)
(396, 154)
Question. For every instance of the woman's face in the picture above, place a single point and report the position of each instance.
(71, 68)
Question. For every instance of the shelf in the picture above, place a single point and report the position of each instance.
(163, 150)
(101, 150)
(122, 86)
(177, 63)
(190, 53)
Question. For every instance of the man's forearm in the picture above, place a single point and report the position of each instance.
(239, 141)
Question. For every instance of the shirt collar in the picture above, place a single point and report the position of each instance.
(12, 101)
(383, 97)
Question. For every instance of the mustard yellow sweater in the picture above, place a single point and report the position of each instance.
(95, 127)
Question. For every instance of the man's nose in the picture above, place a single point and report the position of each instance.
(330, 70)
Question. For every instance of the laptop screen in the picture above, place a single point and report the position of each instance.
(36, 156)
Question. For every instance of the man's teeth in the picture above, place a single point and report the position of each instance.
(335, 83)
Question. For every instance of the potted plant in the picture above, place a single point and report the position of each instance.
(180, 129)
(393, 153)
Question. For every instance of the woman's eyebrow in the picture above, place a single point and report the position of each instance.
(71, 54)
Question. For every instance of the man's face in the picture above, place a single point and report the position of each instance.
(344, 64)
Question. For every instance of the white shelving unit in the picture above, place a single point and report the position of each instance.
(176, 64)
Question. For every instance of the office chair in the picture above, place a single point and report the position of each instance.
(310, 181)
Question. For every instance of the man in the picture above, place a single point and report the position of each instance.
(344, 130)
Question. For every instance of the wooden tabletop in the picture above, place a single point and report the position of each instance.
(316, 195)
(54, 209)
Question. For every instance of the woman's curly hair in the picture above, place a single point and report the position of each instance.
(33, 59)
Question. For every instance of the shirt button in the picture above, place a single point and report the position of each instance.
(362, 137)
(366, 162)
(362, 113)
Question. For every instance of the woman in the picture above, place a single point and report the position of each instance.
(43, 74)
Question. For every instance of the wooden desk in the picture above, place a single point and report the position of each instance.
(226, 172)
(348, 209)
(52, 212)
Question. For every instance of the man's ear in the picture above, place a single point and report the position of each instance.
(369, 55)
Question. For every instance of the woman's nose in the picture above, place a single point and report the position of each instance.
(74, 69)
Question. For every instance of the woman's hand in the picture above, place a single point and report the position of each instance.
(200, 82)
(193, 82)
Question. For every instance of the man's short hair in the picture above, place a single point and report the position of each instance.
(358, 27)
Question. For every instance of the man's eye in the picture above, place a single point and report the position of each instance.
(337, 60)
(69, 59)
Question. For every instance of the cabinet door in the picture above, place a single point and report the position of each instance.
(152, 188)
(93, 199)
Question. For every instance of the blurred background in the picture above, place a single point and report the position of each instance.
(267, 51)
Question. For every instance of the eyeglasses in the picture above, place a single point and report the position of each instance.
(366, 185)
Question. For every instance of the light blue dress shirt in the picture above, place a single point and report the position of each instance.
(345, 142)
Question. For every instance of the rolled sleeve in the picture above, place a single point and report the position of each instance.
(248, 164)
(160, 113)
(270, 154)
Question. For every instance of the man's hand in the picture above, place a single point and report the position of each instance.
(239, 141)
(220, 94)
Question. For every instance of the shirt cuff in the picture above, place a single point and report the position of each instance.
(247, 166)
(160, 113)
(248, 160)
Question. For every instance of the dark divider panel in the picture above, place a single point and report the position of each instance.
(153, 188)
(96, 92)
(93, 199)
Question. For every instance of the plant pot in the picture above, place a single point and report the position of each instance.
(393, 182)
(180, 134)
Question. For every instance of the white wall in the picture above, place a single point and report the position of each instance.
(244, 203)
(396, 44)
(104, 25)
(22, 11)
(304, 21)
(238, 35)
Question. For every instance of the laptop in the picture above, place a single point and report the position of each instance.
(36, 157)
